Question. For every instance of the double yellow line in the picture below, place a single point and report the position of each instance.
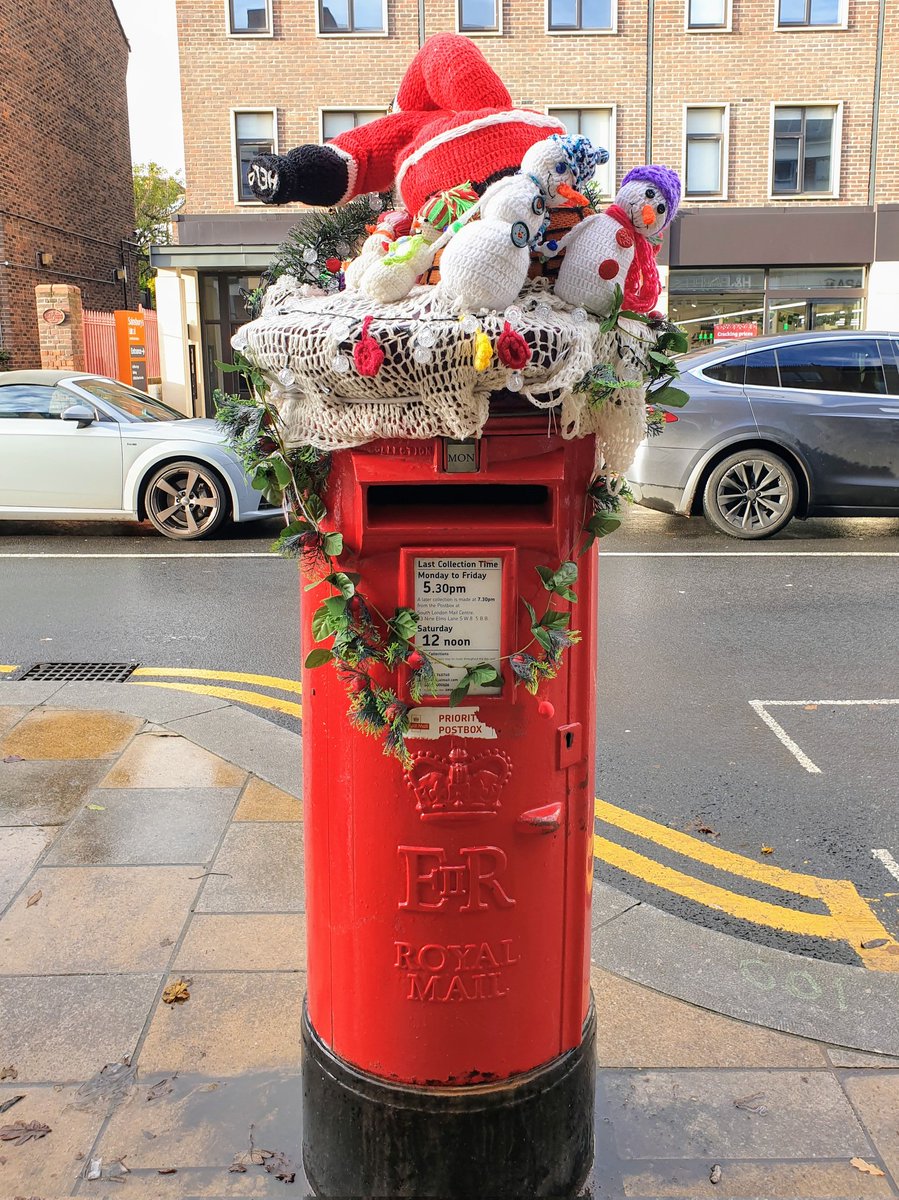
(849, 918)
(175, 679)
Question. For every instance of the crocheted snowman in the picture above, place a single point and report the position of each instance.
(617, 247)
(486, 262)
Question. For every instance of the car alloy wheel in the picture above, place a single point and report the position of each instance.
(752, 494)
(185, 500)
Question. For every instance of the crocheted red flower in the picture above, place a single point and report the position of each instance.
(367, 354)
(511, 348)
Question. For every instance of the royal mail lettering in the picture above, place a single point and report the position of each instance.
(434, 884)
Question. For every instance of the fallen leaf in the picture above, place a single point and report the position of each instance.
(34, 899)
(8, 1073)
(767, 849)
(19, 1132)
(7, 1104)
(874, 943)
(167, 1171)
(177, 992)
(280, 1167)
(715, 1174)
(708, 831)
(167, 942)
(810, 707)
(239, 1166)
(162, 1088)
(11, 758)
(752, 1103)
(97, 807)
(866, 1168)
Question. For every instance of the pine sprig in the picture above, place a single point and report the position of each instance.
(331, 233)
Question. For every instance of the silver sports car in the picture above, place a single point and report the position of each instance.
(805, 425)
(84, 447)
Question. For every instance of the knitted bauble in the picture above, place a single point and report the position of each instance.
(666, 180)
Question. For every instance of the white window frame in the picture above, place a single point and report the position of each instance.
(843, 22)
(725, 154)
(365, 33)
(379, 111)
(612, 109)
(249, 33)
(727, 27)
(836, 149)
(581, 33)
(235, 169)
(498, 32)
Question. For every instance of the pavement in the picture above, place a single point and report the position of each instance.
(150, 838)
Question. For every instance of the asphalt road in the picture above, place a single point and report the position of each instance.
(694, 625)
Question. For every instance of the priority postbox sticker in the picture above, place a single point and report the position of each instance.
(434, 723)
(459, 606)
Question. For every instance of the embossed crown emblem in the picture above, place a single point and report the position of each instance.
(458, 784)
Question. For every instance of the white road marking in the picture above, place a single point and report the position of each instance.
(784, 738)
(888, 861)
(821, 703)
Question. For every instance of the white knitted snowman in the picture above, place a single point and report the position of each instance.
(617, 247)
(486, 262)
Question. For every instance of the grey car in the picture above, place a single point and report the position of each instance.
(804, 425)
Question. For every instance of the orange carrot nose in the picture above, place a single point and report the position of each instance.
(569, 194)
(648, 214)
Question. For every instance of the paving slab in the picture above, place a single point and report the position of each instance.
(609, 903)
(166, 760)
(839, 1057)
(233, 1022)
(258, 869)
(49, 1166)
(64, 1028)
(153, 704)
(152, 825)
(876, 1100)
(28, 692)
(244, 942)
(806, 1180)
(46, 793)
(637, 1027)
(265, 749)
(262, 801)
(825, 1001)
(97, 919)
(20, 848)
(49, 733)
(692, 1115)
(10, 715)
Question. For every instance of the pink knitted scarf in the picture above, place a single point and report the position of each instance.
(642, 287)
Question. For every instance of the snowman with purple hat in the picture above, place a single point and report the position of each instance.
(618, 247)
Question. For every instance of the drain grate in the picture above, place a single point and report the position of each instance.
(94, 672)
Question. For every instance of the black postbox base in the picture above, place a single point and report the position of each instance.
(531, 1135)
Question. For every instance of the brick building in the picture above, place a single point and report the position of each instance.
(66, 196)
(782, 116)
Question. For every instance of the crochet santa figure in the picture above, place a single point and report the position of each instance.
(453, 122)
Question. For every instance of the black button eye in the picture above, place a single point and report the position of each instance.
(660, 208)
(650, 193)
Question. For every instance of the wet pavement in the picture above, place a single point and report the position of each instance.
(132, 858)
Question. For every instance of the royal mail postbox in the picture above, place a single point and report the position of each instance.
(449, 1025)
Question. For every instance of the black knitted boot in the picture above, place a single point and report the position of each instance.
(311, 174)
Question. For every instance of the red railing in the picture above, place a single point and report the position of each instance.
(100, 343)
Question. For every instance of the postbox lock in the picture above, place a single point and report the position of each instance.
(461, 456)
(571, 745)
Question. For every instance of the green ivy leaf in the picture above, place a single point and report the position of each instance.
(405, 623)
(333, 544)
(672, 397)
(484, 674)
(336, 608)
(342, 582)
(322, 624)
(553, 619)
(602, 524)
(282, 471)
(547, 577)
(629, 315)
(315, 508)
(658, 357)
(260, 479)
(317, 658)
(531, 613)
(460, 691)
(542, 636)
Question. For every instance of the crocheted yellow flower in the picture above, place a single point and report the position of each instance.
(483, 351)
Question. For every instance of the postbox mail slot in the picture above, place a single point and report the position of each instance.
(443, 504)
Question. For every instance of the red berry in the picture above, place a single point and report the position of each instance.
(393, 712)
(333, 265)
(358, 683)
(545, 709)
(355, 605)
(518, 659)
(415, 661)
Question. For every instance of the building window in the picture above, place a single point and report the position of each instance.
(250, 17)
(351, 16)
(797, 13)
(708, 14)
(339, 120)
(479, 16)
(580, 16)
(598, 124)
(804, 150)
(254, 133)
(705, 159)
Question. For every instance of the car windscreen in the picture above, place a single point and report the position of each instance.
(132, 404)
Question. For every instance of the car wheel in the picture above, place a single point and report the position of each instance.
(185, 500)
(751, 494)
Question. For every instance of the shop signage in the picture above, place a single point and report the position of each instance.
(735, 331)
(53, 316)
(131, 348)
(685, 283)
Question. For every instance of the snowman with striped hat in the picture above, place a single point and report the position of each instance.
(617, 248)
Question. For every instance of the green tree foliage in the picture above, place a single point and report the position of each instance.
(158, 195)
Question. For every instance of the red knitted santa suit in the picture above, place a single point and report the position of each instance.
(455, 122)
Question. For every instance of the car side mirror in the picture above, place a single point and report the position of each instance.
(82, 413)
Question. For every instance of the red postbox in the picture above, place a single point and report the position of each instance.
(449, 1025)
